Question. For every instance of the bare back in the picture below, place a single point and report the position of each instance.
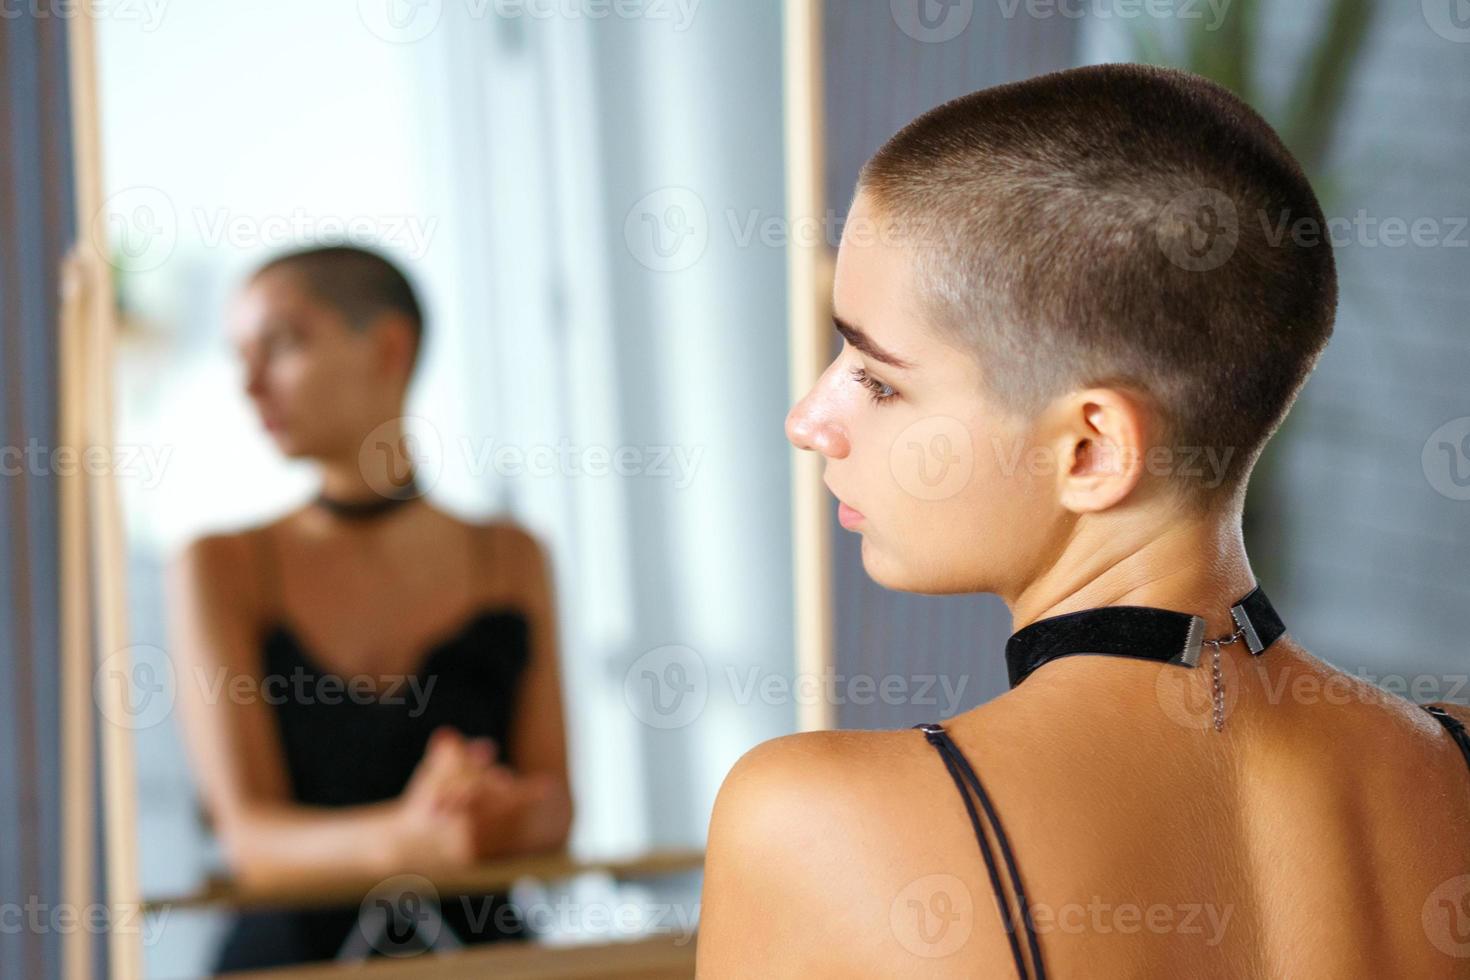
(1321, 834)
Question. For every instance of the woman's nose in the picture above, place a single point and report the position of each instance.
(812, 427)
(254, 380)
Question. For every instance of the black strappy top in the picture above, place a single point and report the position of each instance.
(1141, 632)
(344, 748)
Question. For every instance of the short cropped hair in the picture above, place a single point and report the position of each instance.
(358, 283)
(1119, 225)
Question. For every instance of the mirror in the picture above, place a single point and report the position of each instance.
(584, 204)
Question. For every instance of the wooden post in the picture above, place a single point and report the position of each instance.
(809, 281)
(94, 547)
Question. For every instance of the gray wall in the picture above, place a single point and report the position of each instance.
(1374, 537)
(35, 207)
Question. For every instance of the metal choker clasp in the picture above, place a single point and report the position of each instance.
(1195, 642)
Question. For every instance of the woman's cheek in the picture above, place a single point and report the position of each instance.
(932, 458)
(299, 376)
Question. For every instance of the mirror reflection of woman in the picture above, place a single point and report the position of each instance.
(391, 699)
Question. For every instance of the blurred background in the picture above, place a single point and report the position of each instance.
(591, 199)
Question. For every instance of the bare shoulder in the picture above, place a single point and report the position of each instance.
(229, 563)
(216, 563)
(513, 563)
(215, 594)
(801, 796)
(517, 542)
(510, 544)
(1356, 708)
(826, 843)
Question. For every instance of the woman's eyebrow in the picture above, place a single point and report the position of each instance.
(864, 343)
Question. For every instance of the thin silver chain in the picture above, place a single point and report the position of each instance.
(1217, 680)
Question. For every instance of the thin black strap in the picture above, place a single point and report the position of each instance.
(957, 764)
(990, 865)
(1010, 858)
(1454, 726)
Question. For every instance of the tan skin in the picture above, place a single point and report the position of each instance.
(365, 598)
(1304, 840)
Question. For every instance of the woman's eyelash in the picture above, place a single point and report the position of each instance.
(880, 392)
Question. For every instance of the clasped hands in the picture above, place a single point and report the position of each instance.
(461, 805)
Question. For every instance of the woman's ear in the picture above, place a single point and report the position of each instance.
(1101, 449)
(397, 344)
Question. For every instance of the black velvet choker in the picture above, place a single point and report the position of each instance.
(358, 510)
(1142, 632)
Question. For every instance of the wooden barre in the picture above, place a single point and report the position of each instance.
(490, 877)
(654, 958)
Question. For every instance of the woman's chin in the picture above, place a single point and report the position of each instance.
(285, 443)
(898, 574)
(881, 567)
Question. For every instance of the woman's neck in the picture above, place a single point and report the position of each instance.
(1195, 566)
(378, 468)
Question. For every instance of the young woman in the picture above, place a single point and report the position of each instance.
(1068, 294)
(369, 685)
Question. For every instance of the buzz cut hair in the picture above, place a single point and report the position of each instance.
(356, 282)
(1119, 225)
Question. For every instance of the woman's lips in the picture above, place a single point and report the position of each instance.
(848, 517)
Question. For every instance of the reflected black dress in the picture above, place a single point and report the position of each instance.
(346, 750)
